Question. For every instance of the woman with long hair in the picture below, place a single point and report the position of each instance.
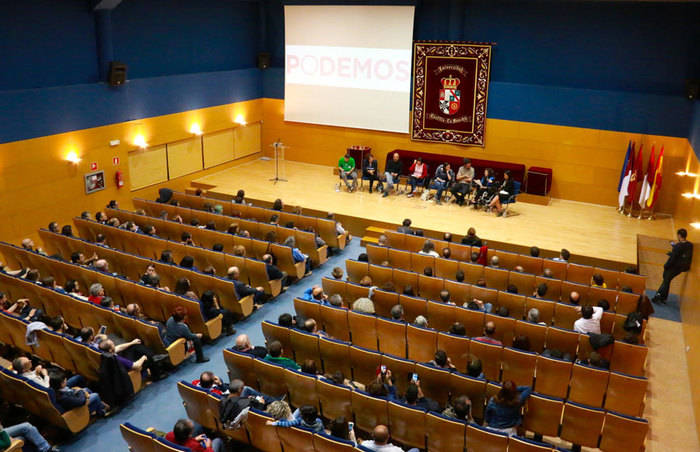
(503, 412)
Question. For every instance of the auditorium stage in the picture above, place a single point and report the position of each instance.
(584, 229)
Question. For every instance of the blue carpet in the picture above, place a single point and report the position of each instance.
(159, 405)
(669, 311)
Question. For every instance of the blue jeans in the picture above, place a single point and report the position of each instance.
(389, 182)
(29, 434)
(414, 181)
(94, 401)
(440, 187)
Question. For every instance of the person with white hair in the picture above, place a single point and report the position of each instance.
(363, 305)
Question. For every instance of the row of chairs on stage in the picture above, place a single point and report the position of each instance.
(252, 270)
(441, 315)
(554, 377)
(326, 228)
(497, 280)
(574, 422)
(577, 273)
(133, 267)
(156, 304)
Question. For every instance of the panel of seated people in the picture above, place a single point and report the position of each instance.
(507, 260)
(326, 228)
(543, 414)
(252, 270)
(157, 304)
(134, 267)
(306, 241)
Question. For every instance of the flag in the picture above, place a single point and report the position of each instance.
(625, 175)
(648, 180)
(635, 175)
(658, 173)
(625, 164)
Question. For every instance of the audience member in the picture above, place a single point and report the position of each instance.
(380, 441)
(405, 227)
(176, 328)
(442, 361)
(243, 345)
(503, 411)
(474, 368)
(414, 398)
(521, 342)
(274, 355)
(27, 433)
(211, 309)
(305, 416)
(471, 238)
(182, 435)
(71, 397)
(458, 329)
(489, 333)
(397, 313)
(363, 305)
(534, 251)
(589, 321)
(459, 408)
(429, 249)
(421, 321)
(337, 273)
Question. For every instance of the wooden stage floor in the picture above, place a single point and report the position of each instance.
(585, 229)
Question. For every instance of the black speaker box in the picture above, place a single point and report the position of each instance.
(692, 89)
(263, 60)
(117, 73)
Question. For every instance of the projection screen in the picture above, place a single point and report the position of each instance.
(348, 66)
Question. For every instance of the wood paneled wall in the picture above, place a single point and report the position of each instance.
(586, 163)
(38, 185)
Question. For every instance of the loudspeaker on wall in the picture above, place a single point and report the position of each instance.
(117, 73)
(263, 60)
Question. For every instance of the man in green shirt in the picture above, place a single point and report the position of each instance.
(274, 355)
(346, 167)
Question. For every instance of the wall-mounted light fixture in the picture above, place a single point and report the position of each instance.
(196, 129)
(240, 119)
(686, 173)
(140, 141)
(72, 157)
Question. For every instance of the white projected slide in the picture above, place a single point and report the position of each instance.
(349, 66)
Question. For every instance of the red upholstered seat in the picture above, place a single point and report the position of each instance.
(517, 170)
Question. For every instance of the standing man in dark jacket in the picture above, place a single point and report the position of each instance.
(679, 260)
(392, 172)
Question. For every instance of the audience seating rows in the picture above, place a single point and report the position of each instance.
(132, 267)
(417, 428)
(441, 316)
(78, 314)
(576, 273)
(156, 304)
(326, 228)
(552, 377)
(40, 401)
(252, 270)
(207, 238)
(305, 241)
(496, 280)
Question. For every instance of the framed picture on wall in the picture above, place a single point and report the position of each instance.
(94, 182)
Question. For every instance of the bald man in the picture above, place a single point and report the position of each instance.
(28, 244)
(23, 366)
(380, 441)
(243, 345)
(489, 334)
(314, 293)
(242, 289)
(574, 298)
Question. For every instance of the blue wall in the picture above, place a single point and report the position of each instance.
(181, 55)
(616, 66)
(603, 65)
(694, 134)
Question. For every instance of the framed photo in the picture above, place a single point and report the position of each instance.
(94, 182)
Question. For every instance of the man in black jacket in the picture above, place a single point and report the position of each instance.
(392, 172)
(679, 260)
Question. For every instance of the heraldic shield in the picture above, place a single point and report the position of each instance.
(449, 95)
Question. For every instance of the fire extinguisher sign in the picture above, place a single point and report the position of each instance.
(115, 161)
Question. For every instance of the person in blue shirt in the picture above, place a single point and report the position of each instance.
(297, 255)
(503, 412)
(315, 293)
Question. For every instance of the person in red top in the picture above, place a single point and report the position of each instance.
(489, 333)
(97, 293)
(418, 173)
(182, 436)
